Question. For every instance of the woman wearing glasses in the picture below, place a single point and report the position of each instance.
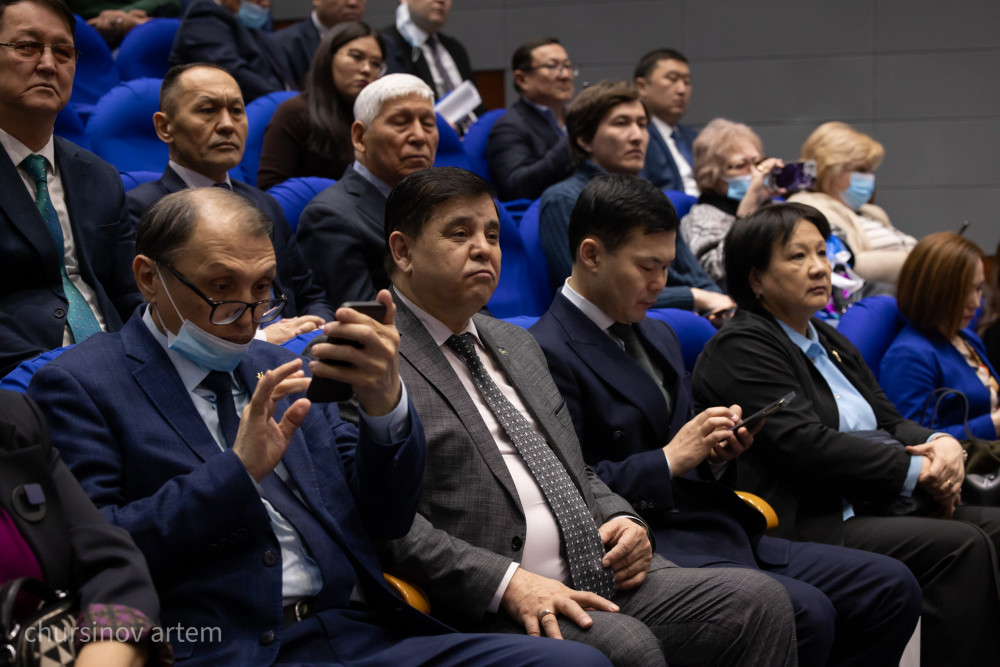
(310, 134)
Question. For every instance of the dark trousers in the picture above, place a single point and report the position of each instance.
(955, 562)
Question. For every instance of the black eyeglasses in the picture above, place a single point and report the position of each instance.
(63, 53)
(555, 69)
(227, 312)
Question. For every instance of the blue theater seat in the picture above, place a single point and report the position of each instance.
(450, 152)
(523, 288)
(146, 48)
(476, 139)
(121, 128)
(259, 114)
(96, 70)
(294, 193)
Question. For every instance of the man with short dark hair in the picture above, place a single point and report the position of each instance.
(606, 126)
(65, 239)
(663, 78)
(514, 533)
(300, 40)
(341, 229)
(256, 509)
(527, 149)
(629, 396)
(202, 118)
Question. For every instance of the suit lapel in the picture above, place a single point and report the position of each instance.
(155, 375)
(673, 373)
(610, 363)
(420, 350)
(19, 207)
(371, 203)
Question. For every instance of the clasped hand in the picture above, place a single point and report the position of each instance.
(942, 471)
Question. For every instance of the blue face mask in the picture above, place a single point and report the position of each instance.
(252, 15)
(208, 352)
(738, 186)
(859, 192)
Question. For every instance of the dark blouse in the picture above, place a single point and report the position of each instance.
(287, 152)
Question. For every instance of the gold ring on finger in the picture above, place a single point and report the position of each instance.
(545, 612)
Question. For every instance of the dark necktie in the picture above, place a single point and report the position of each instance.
(80, 317)
(446, 83)
(634, 349)
(683, 146)
(584, 548)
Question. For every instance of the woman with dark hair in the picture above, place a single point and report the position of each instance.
(310, 134)
(940, 288)
(839, 464)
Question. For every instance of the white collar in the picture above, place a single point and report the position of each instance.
(18, 151)
(438, 330)
(592, 312)
(196, 179)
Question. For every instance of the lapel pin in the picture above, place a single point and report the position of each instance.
(503, 351)
(260, 375)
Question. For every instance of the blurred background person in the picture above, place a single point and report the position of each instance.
(310, 134)
(846, 160)
(300, 41)
(939, 290)
(839, 464)
(731, 172)
(988, 326)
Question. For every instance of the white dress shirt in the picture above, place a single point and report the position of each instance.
(57, 195)
(686, 170)
(418, 40)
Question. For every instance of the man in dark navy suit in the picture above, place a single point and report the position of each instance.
(300, 40)
(203, 120)
(255, 509)
(629, 396)
(65, 240)
(527, 150)
(663, 78)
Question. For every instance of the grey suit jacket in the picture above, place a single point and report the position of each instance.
(470, 525)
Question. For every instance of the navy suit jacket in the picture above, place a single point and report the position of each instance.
(299, 42)
(211, 34)
(620, 416)
(342, 235)
(660, 168)
(130, 432)
(916, 364)
(32, 303)
(526, 153)
(294, 278)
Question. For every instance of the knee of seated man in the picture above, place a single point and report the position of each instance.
(624, 639)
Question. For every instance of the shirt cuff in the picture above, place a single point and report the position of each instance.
(910, 483)
(670, 472)
(392, 428)
(502, 588)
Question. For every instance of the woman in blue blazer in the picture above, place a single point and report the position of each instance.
(940, 287)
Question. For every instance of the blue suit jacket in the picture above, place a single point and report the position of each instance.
(660, 168)
(299, 42)
(915, 365)
(211, 34)
(342, 234)
(32, 303)
(620, 416)
(130, 432)
(295, 280)
(526, 153)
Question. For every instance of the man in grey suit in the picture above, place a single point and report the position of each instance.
(340, 230)
(509, 514)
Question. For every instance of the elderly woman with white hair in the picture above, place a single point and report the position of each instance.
(846, 160)
(730, 169)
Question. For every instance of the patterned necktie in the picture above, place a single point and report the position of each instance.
(446, 84)
(80, 317)
(634, 349)
(584, 548)
(683, 146)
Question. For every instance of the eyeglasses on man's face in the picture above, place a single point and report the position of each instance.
(27, 50)
(227, 312)
(555, 68)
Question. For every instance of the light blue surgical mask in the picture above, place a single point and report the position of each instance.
(859, 192)
(208, 352)
(738, 186)
(252, 15)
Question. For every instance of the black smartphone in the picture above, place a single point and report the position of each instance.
(769, 410)
(793, 176)
(325, 390)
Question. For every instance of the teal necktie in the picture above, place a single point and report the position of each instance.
(80, 317)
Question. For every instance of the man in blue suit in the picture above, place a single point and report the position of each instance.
(65, 241)
(629, 396)
(663, 78)
(300, 40)
(204, 146)
(258, 529)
